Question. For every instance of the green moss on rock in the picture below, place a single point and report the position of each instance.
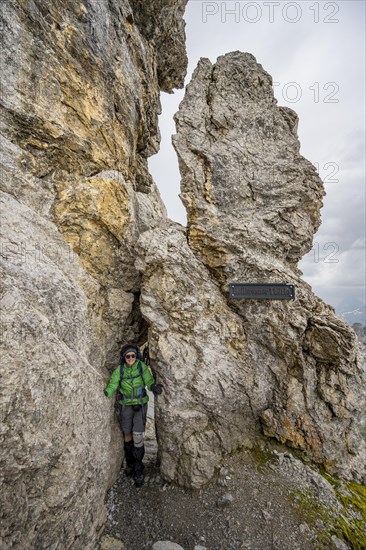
(348, 523)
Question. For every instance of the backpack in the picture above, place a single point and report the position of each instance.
(141, 356)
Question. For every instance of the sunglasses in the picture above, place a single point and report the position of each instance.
(130, 356)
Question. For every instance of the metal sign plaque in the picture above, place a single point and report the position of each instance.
(265, 291)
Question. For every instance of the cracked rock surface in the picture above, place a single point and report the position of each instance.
(89, 260)
(288, 369)
(79, 108)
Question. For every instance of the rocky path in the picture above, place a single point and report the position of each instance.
(260, 500)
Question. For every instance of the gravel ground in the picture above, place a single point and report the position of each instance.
(253, 503)
(250, 511)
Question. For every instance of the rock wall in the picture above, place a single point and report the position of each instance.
(79, 112)
(198, 345)
(89, 261)
(236, 370)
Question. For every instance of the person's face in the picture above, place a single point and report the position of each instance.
(130, 358)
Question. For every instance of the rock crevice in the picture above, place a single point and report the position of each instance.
(90, 260)
(79, 118)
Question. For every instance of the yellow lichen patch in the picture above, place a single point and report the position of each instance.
(213, 253)
(129, 24)
(67, 34)
(208, 189)
(212, 218)
(234, 348)
(97, 250)
(77, 116)
(33, 142)
(53, 130)
(235, 340)
(102, 200)
(84, 101)
(83, 111)
(92, 215)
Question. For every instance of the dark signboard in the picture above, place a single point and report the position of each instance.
(265, 291)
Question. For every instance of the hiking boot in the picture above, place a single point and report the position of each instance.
(139, 480)
(138, 467)
(129, 470)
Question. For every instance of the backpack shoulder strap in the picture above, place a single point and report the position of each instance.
(121, 370)
(146, 356)
(139, 366)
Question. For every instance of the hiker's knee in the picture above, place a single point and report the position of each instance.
(138, 439)
(127, 437)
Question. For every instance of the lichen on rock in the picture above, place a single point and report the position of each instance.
(89, 260)
(253, 205)
(79, 118)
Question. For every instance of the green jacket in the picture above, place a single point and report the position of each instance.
(132, 385)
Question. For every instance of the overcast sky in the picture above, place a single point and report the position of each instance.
(315, 52)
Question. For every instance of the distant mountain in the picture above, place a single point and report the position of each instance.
(357, 315)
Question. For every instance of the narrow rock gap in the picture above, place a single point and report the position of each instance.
(136, 331)
(136, 328)
(123, 490)
(140, 329)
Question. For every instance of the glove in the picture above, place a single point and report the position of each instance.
(157, 389)
(105, 392)
(136, 408)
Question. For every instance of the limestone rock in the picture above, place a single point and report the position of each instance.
(166, 545)
(197, 347)
(51, 391)
(89, 261)
(162, 23)
(290, 370)
(79, 117)
(253, 205)
(245, 185)
(110, 543)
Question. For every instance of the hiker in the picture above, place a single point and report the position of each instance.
(131, 377)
